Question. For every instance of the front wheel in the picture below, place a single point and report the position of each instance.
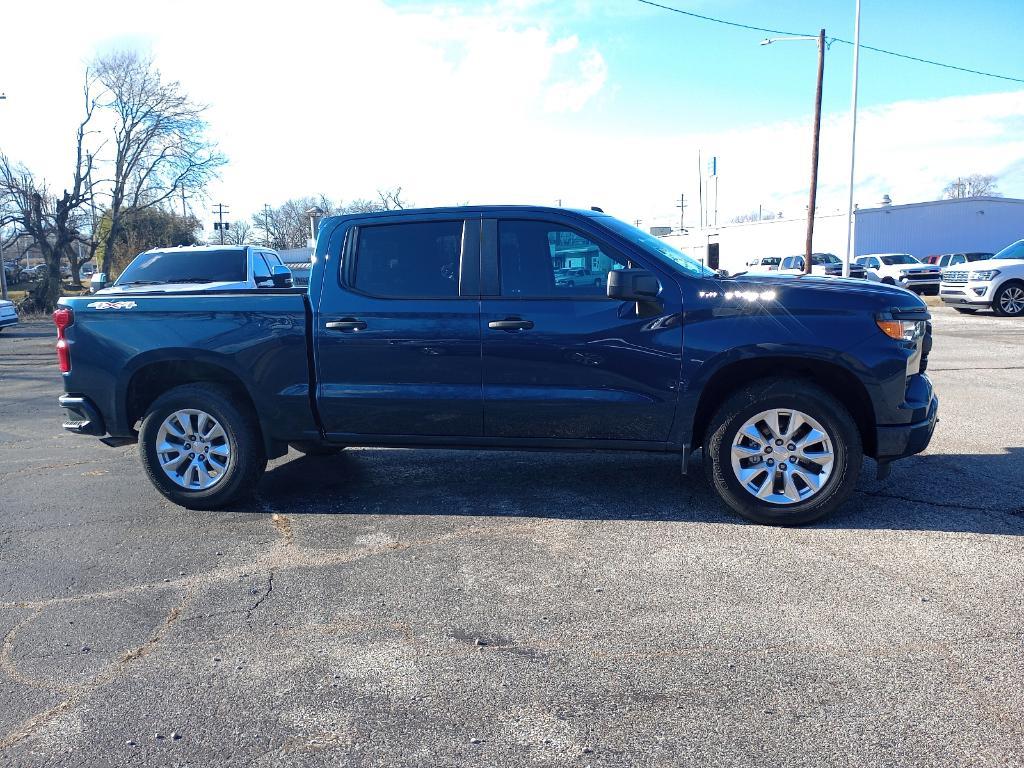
(1009, 300)
(200, 449)
(783, 452)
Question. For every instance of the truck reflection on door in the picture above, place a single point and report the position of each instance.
(713, 255)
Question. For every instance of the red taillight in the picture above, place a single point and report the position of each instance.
(62, 318)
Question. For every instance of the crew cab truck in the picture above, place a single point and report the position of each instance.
(447, 328)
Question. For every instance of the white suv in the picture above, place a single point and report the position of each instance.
(997, 282)
(903, 270)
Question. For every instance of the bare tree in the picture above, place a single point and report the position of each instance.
(743, 218)
(51, 220)
(975, 185)
(391, 199)
(240, 233)
(159, 142)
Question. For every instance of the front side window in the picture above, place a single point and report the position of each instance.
(541, 259)
(260, 270)
(409, 260)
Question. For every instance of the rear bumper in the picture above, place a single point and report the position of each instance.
(83, 418)
(905, 440)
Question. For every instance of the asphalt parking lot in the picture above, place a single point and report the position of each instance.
(390, 607)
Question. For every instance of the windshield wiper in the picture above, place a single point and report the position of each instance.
(189, 280)
(140, 282)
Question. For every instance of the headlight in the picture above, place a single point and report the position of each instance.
(901, 330)
(983, 275)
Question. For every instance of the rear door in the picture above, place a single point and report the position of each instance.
(562, 361)
(398, 329)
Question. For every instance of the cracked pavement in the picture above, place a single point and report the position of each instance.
(404, 608)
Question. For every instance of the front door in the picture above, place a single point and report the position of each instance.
(562, 361)
(398, 335)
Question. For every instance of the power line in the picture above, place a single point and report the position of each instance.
(830, 41)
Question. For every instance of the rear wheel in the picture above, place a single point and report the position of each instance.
(199, 448)
(1009, 300)
(783, 452)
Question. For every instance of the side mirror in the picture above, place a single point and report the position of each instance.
(632, 285)
(281, 275)
(98, 282)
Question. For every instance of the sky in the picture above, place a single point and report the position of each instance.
(601, 103)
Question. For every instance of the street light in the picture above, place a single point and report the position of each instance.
(817, 133)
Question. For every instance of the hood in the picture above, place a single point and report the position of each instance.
(984, 264)
(171, 288)
(834, 290)
(917, 267)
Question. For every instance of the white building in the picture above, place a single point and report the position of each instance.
(920, 229)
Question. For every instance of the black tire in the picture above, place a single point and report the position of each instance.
(317, 449)
(784, 394)
(248, 459)
(965, 310)
(888, 281)
(1000, 295)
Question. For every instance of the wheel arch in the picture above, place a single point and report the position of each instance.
(153, 378)
(838, 381)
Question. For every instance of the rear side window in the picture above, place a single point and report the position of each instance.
(409, 260)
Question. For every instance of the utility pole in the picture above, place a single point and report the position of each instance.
(184, 210)
(682, 213)
(220, 224)
(700, 188)
(266, 223)
(814, 154)
(851, 222)
(3, 267)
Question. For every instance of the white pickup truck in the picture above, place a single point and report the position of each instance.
(903, 270)
(214, 268)
(997, 283)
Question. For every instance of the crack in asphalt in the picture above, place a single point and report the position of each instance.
(264, 596)
(1017, 512)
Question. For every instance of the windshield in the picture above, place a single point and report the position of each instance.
(771, 261)
(824, 258)
(657, 248)
(900, 258)
(1015, 251)
(185, 266)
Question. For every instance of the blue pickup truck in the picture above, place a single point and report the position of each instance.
(449, 328)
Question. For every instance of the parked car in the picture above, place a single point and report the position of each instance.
(952, 259)
(997, 283)
(445, 327)
(821, 264)
(216, 268)
(903, 270)
(577, 276)
(8, 314)
(764, 264)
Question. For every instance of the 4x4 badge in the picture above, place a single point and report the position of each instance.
(112, 304)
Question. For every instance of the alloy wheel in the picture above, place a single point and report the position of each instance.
(782, 456)
(193, 450)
